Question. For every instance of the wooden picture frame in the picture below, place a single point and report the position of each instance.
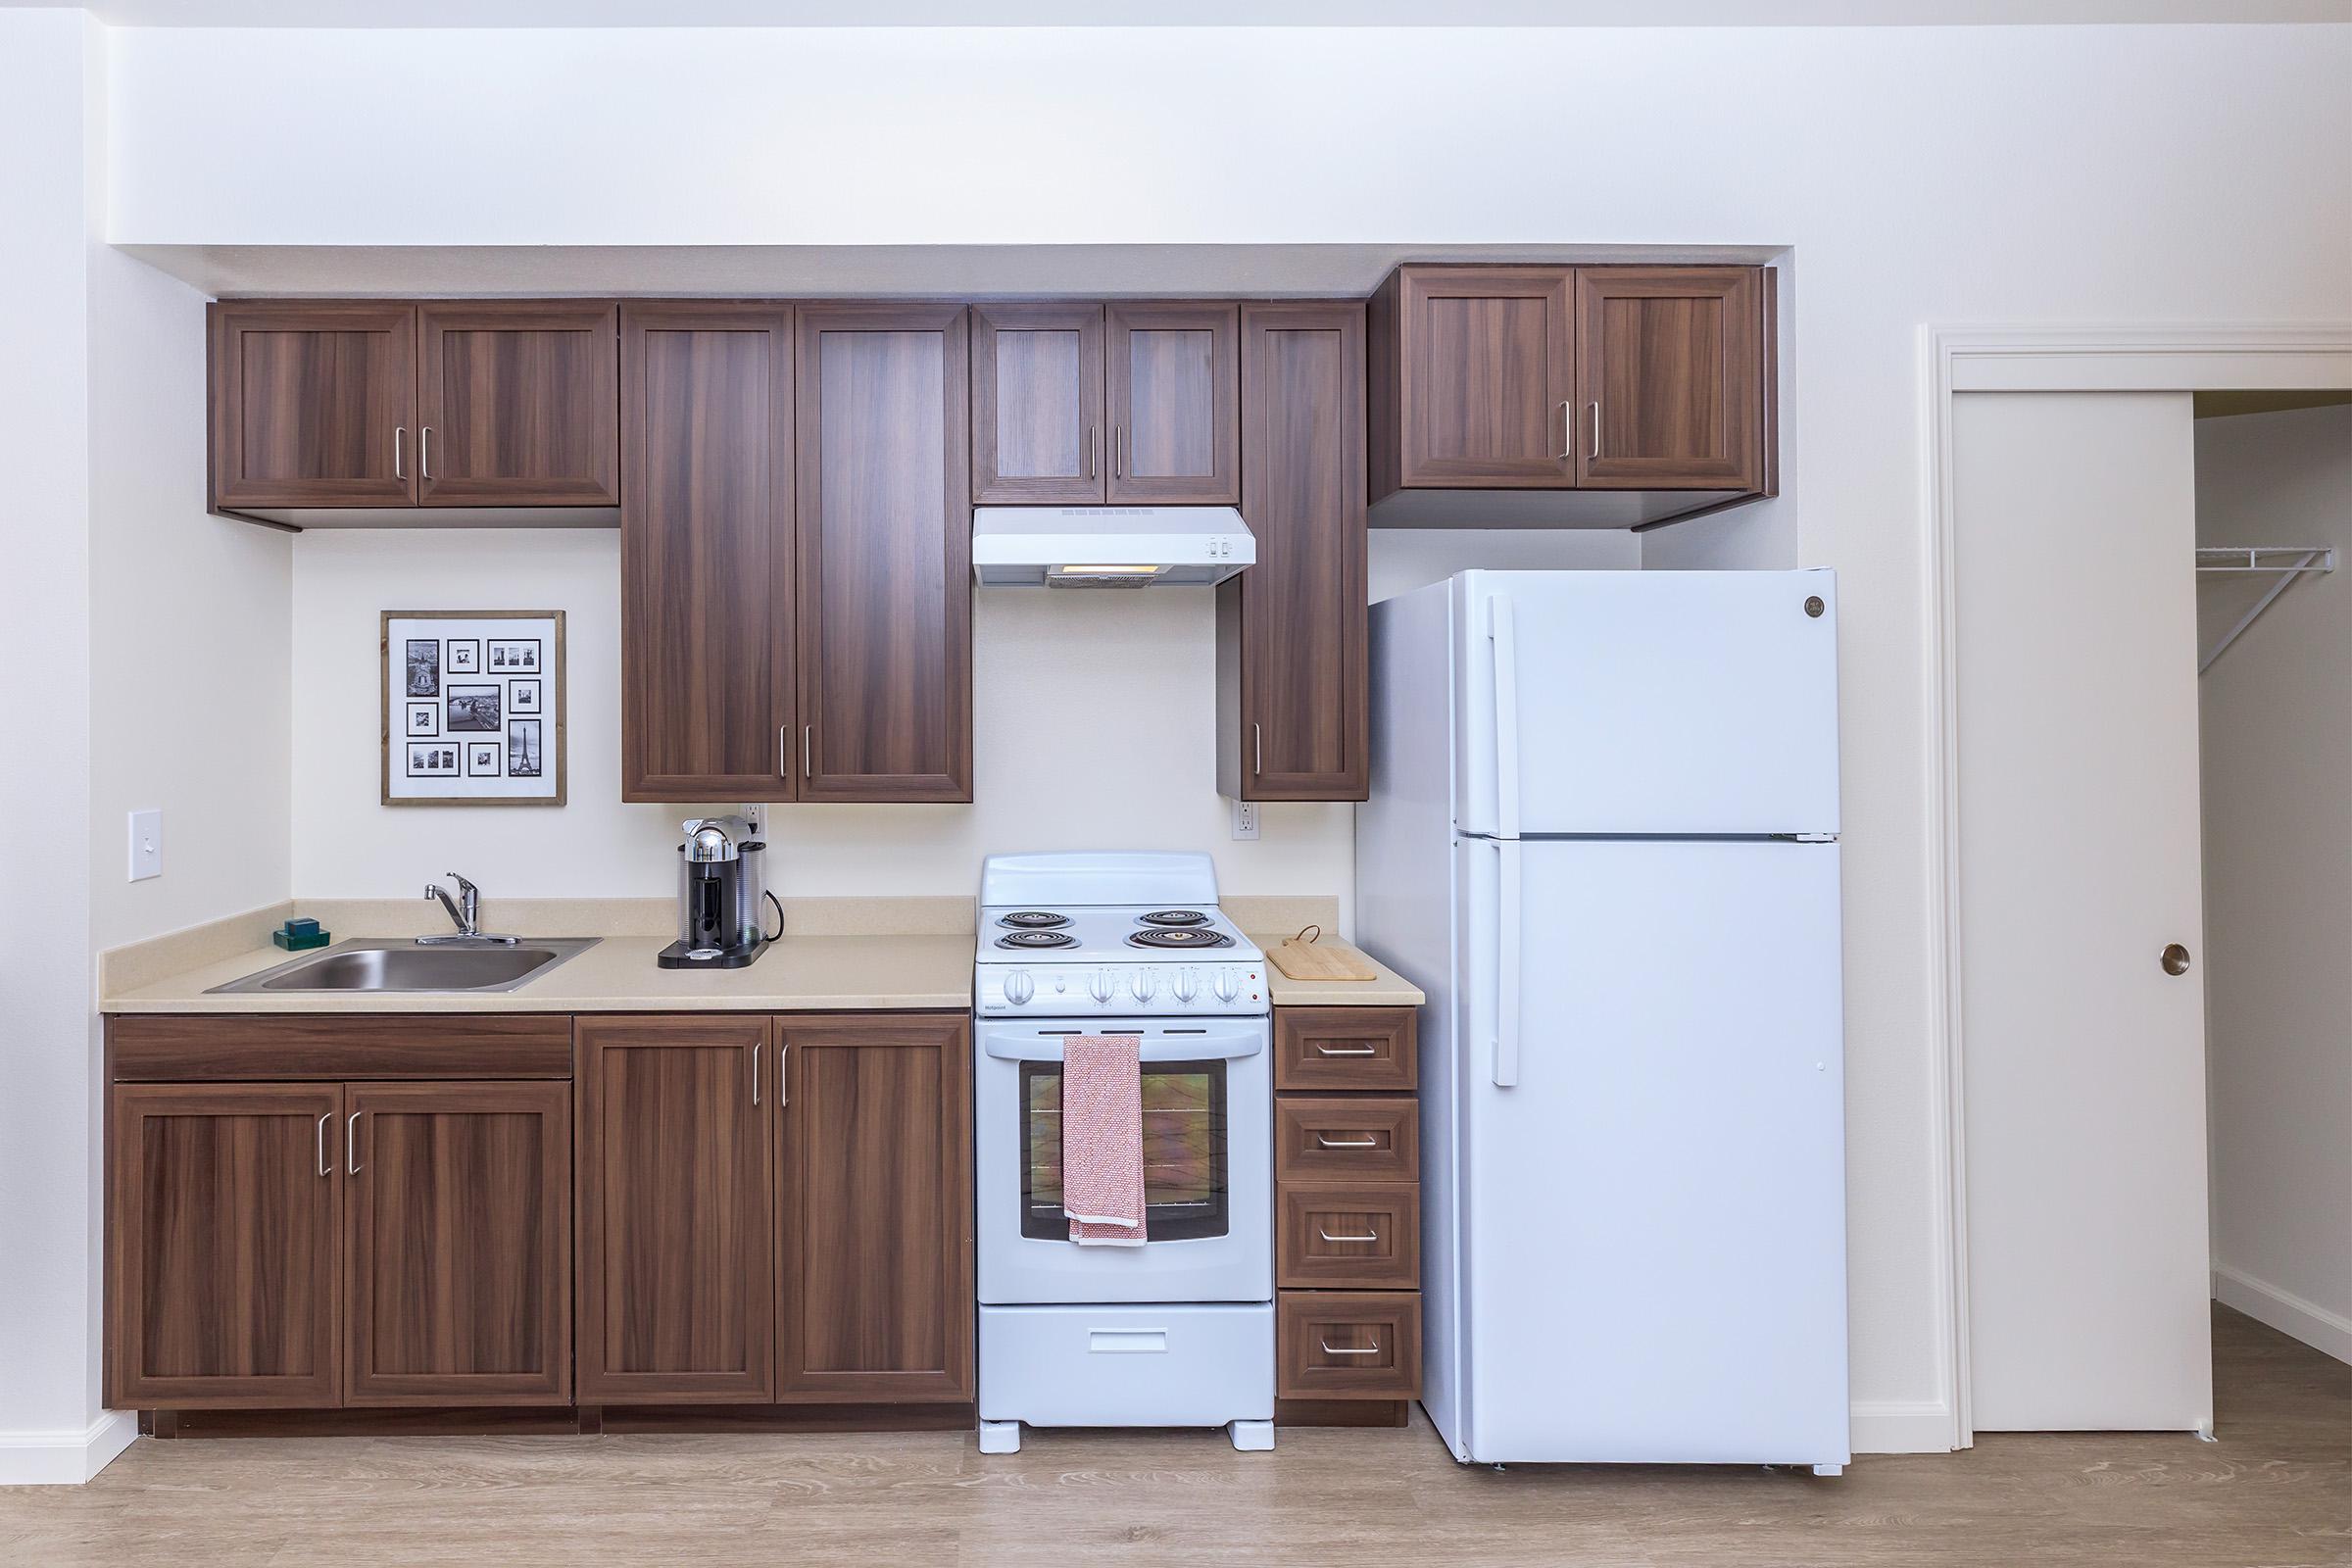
(550, 676)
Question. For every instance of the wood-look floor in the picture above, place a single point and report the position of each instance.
(2275, 1491)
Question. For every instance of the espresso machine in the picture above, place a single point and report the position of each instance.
(722, 903)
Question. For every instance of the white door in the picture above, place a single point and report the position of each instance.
(2084, 1058)
(1653, 1217)
(1648, 701)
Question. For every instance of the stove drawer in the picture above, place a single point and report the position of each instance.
(1356, 1139)
(1349, 1235)
(1127, 1365)
(1345, 1048)
(1347, 1344)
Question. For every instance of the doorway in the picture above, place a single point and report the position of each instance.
(2074, 1043)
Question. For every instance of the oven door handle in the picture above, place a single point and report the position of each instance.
(1208, 1047)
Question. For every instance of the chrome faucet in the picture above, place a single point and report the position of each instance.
(465, 911)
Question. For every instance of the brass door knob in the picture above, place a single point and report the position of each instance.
(2176, 958)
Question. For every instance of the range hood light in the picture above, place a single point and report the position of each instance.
(1108, 571)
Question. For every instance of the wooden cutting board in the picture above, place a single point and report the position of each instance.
(1314, 959)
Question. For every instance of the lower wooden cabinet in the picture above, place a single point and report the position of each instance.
(676, 1209)
(457, 1243)
(1347, 1344)
(874, 1288)
(311, 1245)
(223, 1241)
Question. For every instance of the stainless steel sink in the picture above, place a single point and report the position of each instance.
(403, 964)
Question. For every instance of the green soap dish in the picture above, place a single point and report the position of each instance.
(301, 941)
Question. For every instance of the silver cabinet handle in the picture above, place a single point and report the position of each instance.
(1093, 448)
(1330, 1348)
(1257, 751)
(399, 434)
(783, 1081)
(1118, 451)
(424, 452)
(1373, 1236)
(784, 750)
(1567, 432)
(755, 1071)
(324, 1169)
(1344, 1051)
(1365, 1142)
(351, 1145)
(1597, 430)
(807, 768)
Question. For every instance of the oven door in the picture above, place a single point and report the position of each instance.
(1207, 1096)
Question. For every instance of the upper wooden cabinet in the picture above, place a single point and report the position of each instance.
(1131, 404)
(313, 404)
(707, 631)
(1037, 404)
(517, 404)
(1293, 702)
(1543, 387)
(874, 1256)
(884, 515)
(324, 407)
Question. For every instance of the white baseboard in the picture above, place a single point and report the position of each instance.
(2330, 1333)
(1902, 1426)
(66, 1459)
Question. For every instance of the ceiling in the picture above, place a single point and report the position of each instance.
(1185, 13)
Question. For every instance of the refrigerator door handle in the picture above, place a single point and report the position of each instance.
(1504, 642)
(1506, 967)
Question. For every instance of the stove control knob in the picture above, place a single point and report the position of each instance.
(1146, 984)
(1187, 985)
(1228, 985)
(1104, 984)
(1018, 988)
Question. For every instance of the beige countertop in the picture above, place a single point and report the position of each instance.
(874, 954)
(797, 974)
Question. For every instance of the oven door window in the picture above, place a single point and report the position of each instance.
(1185, 1173)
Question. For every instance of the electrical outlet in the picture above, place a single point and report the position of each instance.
(1245, 820)
(146, 845)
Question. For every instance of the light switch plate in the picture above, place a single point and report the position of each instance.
(146, 844)
(1245, 820)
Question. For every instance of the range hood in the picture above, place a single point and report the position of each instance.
(1109, 546)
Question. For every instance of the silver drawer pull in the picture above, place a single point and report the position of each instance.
(1345, 1050)
(1330, 1348)
(324, 1169)
(1365, 1142)
(1327, 1236)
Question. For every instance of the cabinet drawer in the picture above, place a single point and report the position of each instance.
(1356, 1139)
(1344, 1048)
(1347, 1344)
(1354, 1234)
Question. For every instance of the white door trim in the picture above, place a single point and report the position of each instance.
(2025, 359)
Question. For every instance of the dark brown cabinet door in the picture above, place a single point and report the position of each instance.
(225, 1214)
(874, 1278)
(1670, 373)
(1300, 727)
(1173, 391)
(314, 403)
(1486, 376)
(459, 1242)
(517, 404)
(676, 1210)
(707, 638)
(1037, 404)
(885, 591)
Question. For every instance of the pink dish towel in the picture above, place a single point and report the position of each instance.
(1102, 1139)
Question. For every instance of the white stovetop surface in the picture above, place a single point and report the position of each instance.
(1102, 930)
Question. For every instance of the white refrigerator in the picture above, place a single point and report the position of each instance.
(1602, 835)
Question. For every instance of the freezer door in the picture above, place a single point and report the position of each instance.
(1647, 702)
(1652, 1216)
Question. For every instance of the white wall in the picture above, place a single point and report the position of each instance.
(1093, 727)
(2042, 175)
(2278, 775)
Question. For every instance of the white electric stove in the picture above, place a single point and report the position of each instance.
(1179, 1331)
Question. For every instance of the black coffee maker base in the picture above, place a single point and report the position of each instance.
(677, 955)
